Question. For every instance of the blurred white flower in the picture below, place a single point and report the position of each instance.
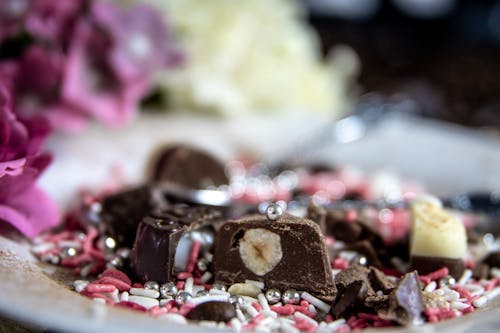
(253, 56)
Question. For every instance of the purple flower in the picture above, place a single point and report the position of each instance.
(141, 43)
(22, 203)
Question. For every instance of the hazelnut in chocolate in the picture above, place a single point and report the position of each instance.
(286, 252)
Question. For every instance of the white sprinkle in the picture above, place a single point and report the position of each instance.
(287, 328)
(287, 320)
(42, 247)
(208, 298)
(165, 301)
(495, 272)
(336, 324)
(492, 293)
(269, 313)
(85, 271)
(258, 284)
(263, 301)
(266, 321)
(335, 271)
(306, 318)
(209, 256)
(240, 315)
(218, 292)
(173, 318)
(235, 324)
(431, 286)
(477, 292)
(207, 323)
(439, 292)
(67, 243)
(318, 303)
(480, 302)
(466, 275)
(151, 293)
(249, 299)
(205, 277)
(348, 255)
(250, 310)
(99, 300)
(312, 309)
(124, 296)
(79, 285)
(114, 295)
(459, 305)
(189, 285)
(197, 288)
(146, 302)
(450, 295)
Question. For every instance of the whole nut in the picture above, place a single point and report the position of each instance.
(260, 250)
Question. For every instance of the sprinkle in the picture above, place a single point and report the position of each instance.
(119, 284)
(193, 256)
(466, 275)
(124, 296)
(256, 306)
(336, 324)
(258, 284)
(438, 274)
(316, 302)
(430, 286)
(287, 328)
(99, 288)
(151, 293)
(158, 311)
(495, 272)
(114, 273)
(450, 295)
(131, 305)
(240, 315)
(480, 302)
(189, 285)
(340, 263)
(146, 302)
(186, 308)
(207, 298)
(205, 277)
(180, 285)
(306, 318)
(42, 248)
(492, 293)
(250, 310)
(263, 301)
(464, 293)
(459, 305)
(285, 310)
(183, 275)
(269, 313)
(235, 324)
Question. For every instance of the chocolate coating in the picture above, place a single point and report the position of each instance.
(158, 235)
(304, 264)
(122, 212)
(187, 166)
(214, 311)
(425, 265)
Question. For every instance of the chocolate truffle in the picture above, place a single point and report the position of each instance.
(286, 253)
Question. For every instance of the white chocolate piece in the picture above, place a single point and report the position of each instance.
(436, 232)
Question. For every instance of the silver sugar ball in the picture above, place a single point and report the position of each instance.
(168, 290)
(290, 296)
(274, 212)
(219, 286)
(115, 262)
(447, 281)
(182, 297)
(68, 252)
(361, 260)
(153, 285)
(236, 300)
(202, 264)
(123, 252)
(201, 293)
(109, 243)
(273, 296)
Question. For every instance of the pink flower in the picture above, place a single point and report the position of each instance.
(22, 203)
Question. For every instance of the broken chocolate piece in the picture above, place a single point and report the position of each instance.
(380, 281)
(406, 303)
(122, 212)
(353, 287)
(317, 214)
(366, 248)
(286, 253)
(425, 265)
(481, 271)
(155, 249)
(493, 259)
(213, 311)
(187, 166)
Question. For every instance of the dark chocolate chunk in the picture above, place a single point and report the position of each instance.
(481, 271)
(317, 214)
(158, 234)
(286, 253)
(425, 265)
(366, 249)
(214, 311)
(406, 303)
(353, 287)
(380, 281)
(187, 166)
(352, 273)
(122, 212)
(493, 259)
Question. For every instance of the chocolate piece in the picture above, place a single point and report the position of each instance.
(406, 303)
(214, 311)
(481, 271)
(317, 214)
(288, 253)
(366, 248)
(425, 265)
(154, 252)
(352, 273)
(493, 259)
(380, 281)
(122, 212)
(187, 166)
(353, 287)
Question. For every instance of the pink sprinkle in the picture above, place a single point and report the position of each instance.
(137, 285)
(131, 305)
(169, 304)
(351, 215)
(183, 275)
(426, 280)
(304, 303)
(257, 318)
(368, 316)
(433, 319)
(180, 285)
(257, 306)
(468, 310)
(329, 241)
(186, 308)
(304, 326)
(464, 293)
(76, 261)
(193, 256)
(173, 310)
(54, 238)
(119, 284)
(340, 263)
(343, 329)
(470, 264)
(329, 318)
(436, 275)
(157, 311)
(89, 240)
(100, 288)
(286, 309)
(96, 295)
(114, 273)
(431, 311)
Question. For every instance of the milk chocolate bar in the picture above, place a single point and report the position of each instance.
(158, 235)
(289, 252)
